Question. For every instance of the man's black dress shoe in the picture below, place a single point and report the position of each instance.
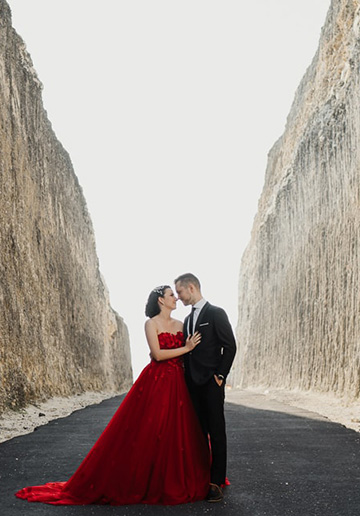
(215, 493)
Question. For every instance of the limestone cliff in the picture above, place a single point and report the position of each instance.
(299, 302)
(58, 333)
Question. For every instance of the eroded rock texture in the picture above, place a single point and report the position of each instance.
(58, 333)
(299, 299)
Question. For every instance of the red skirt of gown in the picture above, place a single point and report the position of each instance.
(152, 451)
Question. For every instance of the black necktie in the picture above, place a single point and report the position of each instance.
(191, 321)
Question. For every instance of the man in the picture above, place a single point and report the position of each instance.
(206, 369)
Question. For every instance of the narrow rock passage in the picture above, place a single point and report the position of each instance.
(282, 461)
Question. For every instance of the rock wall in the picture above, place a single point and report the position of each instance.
(58, 333)
(299, 299)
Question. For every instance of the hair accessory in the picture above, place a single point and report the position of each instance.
(160, 290)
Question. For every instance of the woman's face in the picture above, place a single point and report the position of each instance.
(169, 299)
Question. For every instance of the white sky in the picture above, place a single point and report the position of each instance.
(168, 109)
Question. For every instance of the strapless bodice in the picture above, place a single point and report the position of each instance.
(171, 340)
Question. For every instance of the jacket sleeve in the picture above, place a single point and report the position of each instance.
(227, 340)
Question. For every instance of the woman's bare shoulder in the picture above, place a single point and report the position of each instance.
(150, 324)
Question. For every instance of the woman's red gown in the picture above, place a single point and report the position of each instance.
(152, 451)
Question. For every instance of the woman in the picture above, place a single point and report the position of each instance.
(153, 450)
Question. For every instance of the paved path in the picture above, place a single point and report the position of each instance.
(282, 461)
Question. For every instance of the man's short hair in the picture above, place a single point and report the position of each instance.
(187, 278)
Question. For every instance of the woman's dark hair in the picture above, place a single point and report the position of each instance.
(152, 307)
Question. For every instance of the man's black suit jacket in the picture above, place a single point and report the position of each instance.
(216, 351)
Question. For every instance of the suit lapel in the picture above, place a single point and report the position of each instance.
(186, 322)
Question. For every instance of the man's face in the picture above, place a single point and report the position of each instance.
(184, 293)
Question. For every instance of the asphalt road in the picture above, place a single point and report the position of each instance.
(282, 461)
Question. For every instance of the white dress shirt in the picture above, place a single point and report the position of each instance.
(198, 307)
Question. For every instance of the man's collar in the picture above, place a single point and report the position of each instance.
(200, 304)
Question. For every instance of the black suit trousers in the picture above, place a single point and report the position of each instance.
(208, 400)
